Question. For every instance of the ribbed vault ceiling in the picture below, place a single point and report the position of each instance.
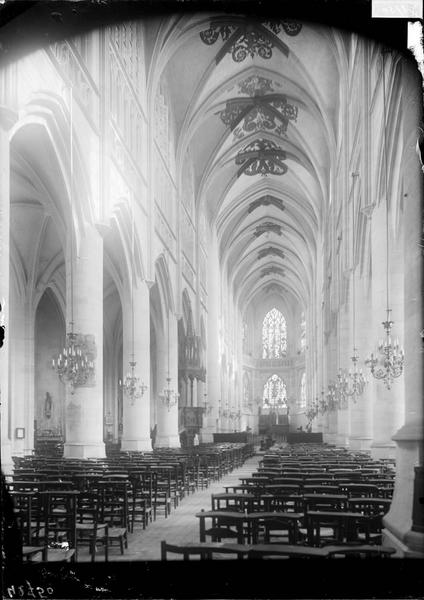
(268, 225)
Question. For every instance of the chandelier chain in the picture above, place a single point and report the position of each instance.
(74, 364)
(132, 385)
(71, 192)
(385, 181)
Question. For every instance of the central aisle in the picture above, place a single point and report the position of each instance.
(181, 526)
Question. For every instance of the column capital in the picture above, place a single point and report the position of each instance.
(410, 432)
(8, 117)
(103, 227)
(149, 283)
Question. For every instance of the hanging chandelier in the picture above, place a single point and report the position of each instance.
(131, 386)
(74, 364)
(334, 397)
(389, 365)
(354, 381)
(338, 391)
(312, 411)
(388, 362)
(321, 404)
(168, 396)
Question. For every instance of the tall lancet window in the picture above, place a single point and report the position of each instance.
(302, 332)
(302, 401)
(274, 335)
(275, 393)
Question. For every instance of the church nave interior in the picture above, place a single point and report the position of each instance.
(211, 272)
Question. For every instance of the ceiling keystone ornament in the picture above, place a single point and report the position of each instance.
(270, 252)
(249, 38)
(268, 227)
(272, 271)
(270, 113)
(261, 157)
(266, 201)
(256, 86)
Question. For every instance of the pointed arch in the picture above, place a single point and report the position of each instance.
(163, 280)
(51, 115)
(187, 314)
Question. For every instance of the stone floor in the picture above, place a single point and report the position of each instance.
(181, 526)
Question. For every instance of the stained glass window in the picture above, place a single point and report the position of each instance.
(275, 393)
(302, 402)
(274, 335)
(302, 332)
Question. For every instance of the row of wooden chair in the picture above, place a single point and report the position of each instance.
(209, 551)
(54, 524)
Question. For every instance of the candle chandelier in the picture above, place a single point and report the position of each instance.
(169, 396)
(131, 386)
(73, 364)
(387, 364)
(312, 411)
(336, 393)
(355, 381)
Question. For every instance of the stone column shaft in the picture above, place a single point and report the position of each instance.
(213, 385)
(84, 407)
(167, 430)
(136, 415)
(361, 410)
(6, 455)
(399, 528)
(387, 407)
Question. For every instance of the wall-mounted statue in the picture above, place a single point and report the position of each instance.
(48, 406)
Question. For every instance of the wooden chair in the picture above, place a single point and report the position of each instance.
(204, 550)
(320, 489)
(114, 512)
(344, 526)
(279, 488)
(282, 502)
(375, 509)
(286, 480)
(23, 509)
(365, 551)
(141, 501)
(261, 551)
(232, 502)
(224, 525)
(275, 525)
(89, 530)
(360, 489)
(161, 496)
(59, 511)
